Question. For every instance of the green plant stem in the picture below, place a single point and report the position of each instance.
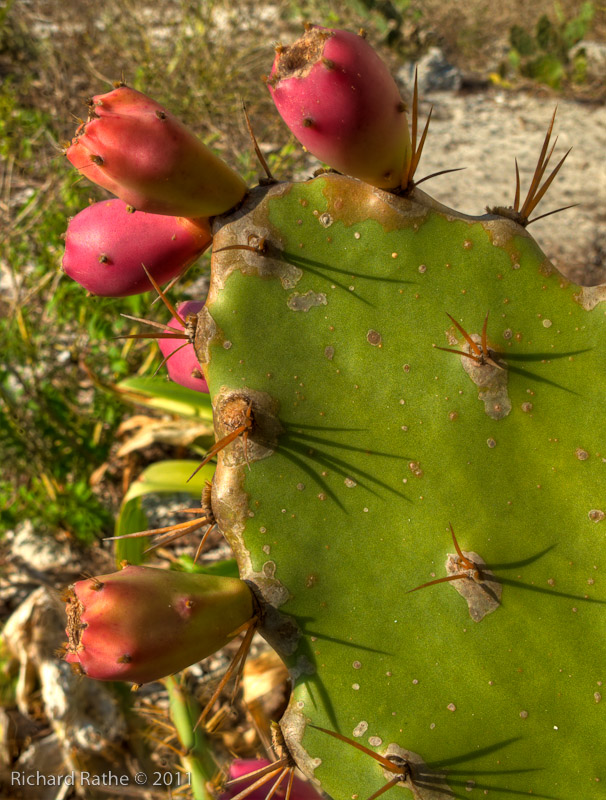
(197, 760)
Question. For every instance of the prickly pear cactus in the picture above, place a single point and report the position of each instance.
(369, 440)
(409, 402)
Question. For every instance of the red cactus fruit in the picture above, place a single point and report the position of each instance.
(140, 152)
(144, 623)
(183, 366)
(106, 244)
(338, 98)
(301, 790)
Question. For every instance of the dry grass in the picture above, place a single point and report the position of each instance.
(200, 57)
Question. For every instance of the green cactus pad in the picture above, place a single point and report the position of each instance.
(369, 442)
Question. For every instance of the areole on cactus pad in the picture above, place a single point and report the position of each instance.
(411, 461)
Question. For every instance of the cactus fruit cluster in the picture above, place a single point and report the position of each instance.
(411, 449)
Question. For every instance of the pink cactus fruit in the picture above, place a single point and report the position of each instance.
(183, 366)
(301, 790)
(106, 244)
(140, 152)
(339, 99)
(144, 623)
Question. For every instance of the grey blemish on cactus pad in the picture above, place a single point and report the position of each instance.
(293, 724)
(303, 666)
(303, 302)
(239, 229)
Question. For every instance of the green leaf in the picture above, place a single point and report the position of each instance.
(227, 568)
(131, 519)
(164, 477)
(168, 396)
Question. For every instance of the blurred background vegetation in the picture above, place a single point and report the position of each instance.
(57, 430)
